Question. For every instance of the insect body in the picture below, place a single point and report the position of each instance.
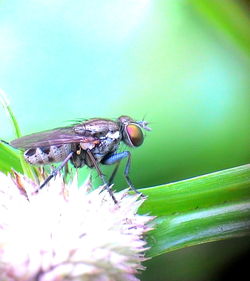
(45, 155)
(88, 143)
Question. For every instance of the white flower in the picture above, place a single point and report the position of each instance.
(68, 233)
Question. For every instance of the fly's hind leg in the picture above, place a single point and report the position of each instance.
(55, 171)
(116, 158)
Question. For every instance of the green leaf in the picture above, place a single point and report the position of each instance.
(229, 18)
(6, 105)
(198, 210)
(8, 158)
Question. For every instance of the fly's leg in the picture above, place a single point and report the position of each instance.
(101, 175)
(116, 158)
(66, 171)
(111, 179)
(55, 172)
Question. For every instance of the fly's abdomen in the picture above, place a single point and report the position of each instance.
(46, 155)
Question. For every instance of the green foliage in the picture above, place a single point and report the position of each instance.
(228, 18)
(10, 159)
(198, 210)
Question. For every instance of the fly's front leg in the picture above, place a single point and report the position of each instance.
(101, 175)
(55, 172)
(116, 158)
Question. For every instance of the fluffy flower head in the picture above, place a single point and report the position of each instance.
(67, 233)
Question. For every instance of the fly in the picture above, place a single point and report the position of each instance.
(91, 142)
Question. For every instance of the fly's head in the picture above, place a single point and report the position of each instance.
(131, 130)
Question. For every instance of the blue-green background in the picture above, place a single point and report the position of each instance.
(181, 64)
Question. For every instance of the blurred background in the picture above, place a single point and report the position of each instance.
(183, 65)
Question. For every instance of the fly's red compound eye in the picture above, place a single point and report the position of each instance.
(135, 134)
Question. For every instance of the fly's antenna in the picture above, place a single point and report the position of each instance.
(144, 124)
(144, 117)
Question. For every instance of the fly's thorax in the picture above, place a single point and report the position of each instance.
(46, 155)
(99, 148)
(108, 144)
(97, 127)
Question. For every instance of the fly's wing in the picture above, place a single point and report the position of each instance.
(52, 137)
